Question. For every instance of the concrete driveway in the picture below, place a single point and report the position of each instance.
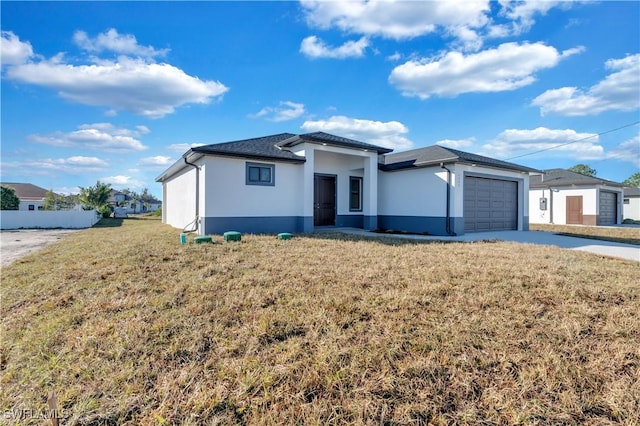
(605, 248)
(15, 244)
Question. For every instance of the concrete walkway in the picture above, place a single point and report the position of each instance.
(605, 248)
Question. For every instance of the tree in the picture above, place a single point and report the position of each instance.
(55, 201)
(8, 199)
(95, 197)
(583, 169)
(633, 180)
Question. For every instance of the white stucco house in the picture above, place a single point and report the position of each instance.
(563, 197)
(31, 196)
(296, 183)
(631, 203)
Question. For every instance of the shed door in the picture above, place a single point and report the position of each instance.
(490, 204)
(574, 210)
(324, 201)
(608, 208)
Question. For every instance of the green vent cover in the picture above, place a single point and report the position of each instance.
(285, 236)
(200, 240)
(232, 236)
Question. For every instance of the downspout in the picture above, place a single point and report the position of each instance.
(196, 221)
(448, 220)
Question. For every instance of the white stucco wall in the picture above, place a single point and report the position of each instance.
(228, 195)
(558, 201)
(413, 192)
(179, 198)
(24, 205)
(632, 210)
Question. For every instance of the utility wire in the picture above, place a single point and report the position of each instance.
(577, 140)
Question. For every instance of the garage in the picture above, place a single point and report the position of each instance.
(608, 208)
(490, 204)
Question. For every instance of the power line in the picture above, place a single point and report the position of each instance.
(577, 140)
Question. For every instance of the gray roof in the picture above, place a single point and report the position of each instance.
(562, 177)
(329, 139)
(631, 192)
(258, 148)
(436, 154)
(27, 191)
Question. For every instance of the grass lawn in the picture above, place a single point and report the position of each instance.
(627, 235)
(130, 327)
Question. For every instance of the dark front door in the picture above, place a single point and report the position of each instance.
(574, 210)
(324, 201)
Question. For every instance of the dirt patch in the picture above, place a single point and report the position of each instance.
(19, 243)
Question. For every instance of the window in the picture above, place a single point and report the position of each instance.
(355, 194)
(261, 174)
(626, 201)
(32, 207)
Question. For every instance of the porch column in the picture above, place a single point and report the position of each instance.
(370, 193)
(307, 192)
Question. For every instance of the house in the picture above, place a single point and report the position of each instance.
(31, 196)
(631, 203)
(564, 197)
(124, 203)
(295, 183)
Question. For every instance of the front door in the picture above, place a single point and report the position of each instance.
(324, 200)
(574, 210)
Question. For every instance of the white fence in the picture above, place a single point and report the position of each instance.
(20, 219)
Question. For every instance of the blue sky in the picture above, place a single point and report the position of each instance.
(117, 91)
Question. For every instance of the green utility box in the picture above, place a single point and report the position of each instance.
(285, 236)
(200, 240)
(232, 236)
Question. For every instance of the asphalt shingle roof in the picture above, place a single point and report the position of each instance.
(436, 154)
(27, 191)
(260, 148)
(329, 139)
(631, 192)
(559, 177)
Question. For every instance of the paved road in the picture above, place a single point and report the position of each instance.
(19, 243)
(605, 248)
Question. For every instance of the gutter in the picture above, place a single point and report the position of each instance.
(196, 221)
(448, 222)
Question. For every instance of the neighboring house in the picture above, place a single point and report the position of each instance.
(31, 196)
(563, 197)
(124, 204)
(294, 183)
(631, 203)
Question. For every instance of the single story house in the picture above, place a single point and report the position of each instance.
(295, 183)
(563, 197)
(631, 203)
(31, 196)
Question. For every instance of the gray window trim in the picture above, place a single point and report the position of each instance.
(271, 167)
(361, 180)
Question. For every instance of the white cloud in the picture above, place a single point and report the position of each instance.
(396, 56)
(618, 92)
(123, 181)
(395, 19)
(99, 136)
(507, 67)
(132, 84)
(111, 40)
(51, 166)
(158, 160)
(12, 50)
(522, 13)
(628, 150)
(285, 111)
(183, 147)
(457, 143)
(513, 142)
(388, 134)
(313, 47)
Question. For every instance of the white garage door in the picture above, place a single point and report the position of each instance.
(608, 208)
(490, 204)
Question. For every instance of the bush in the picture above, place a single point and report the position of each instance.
(105, 210)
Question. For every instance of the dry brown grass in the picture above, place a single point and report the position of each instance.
(129, 327)
(627, 235)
